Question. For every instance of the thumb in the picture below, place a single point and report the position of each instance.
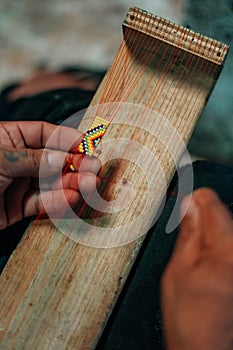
(31, 162)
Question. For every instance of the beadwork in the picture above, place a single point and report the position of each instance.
(93, 136)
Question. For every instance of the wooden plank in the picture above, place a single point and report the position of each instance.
(57, 290)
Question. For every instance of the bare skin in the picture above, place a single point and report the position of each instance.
(45, 80)
(197, 286)
(21, 149)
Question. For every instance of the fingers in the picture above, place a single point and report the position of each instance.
(84, 163)
(30, 162)
(67, 192)
(206, 223)
(216, 219)
(20, 200)
(37, 134)
(82, 182)
(35, 163)
(54, 162)
(55, 202)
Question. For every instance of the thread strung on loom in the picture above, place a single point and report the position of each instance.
(177, 76)
(124, 75)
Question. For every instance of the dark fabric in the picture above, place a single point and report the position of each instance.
(53, 106)
(136, 321)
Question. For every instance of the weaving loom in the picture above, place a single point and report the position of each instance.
(141, 117)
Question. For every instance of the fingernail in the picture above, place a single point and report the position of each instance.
(56, 160)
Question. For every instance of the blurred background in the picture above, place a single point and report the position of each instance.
(59, 33)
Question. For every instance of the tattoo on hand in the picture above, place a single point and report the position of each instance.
(13, 156)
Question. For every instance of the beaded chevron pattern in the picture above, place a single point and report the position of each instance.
(93, 136)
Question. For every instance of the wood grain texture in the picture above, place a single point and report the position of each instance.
(56, 293)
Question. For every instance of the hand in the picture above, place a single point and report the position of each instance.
(197, 286)
(21, 163)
